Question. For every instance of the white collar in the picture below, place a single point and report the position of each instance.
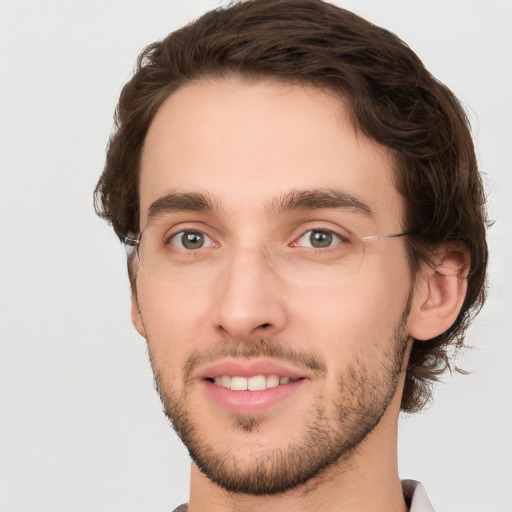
(418, 495)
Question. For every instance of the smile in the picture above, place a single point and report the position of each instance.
(254, 383)
(251, 386)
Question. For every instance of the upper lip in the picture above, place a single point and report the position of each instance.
(250, 367)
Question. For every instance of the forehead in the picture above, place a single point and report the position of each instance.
(244, 144)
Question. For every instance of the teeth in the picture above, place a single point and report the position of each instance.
(238, 383)
(255, 383)
(272, 381)
(225, 381)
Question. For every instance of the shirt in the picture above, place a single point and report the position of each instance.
(413, 491)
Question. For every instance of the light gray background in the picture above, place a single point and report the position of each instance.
(81, 428)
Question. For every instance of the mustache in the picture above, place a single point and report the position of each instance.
(261, 347)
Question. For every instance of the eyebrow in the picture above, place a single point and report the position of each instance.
(319, 199)
(293, 201)
(181, 202)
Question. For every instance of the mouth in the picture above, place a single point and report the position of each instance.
(253, 383)
(251, 386)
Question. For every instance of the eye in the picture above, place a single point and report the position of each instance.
(318, 239)
(191, 240)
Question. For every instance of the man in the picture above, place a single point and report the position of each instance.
(305, 217)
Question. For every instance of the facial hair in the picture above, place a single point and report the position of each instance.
(364, 392)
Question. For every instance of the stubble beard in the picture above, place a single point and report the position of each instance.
(365, 390)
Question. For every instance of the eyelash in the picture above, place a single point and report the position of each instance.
(183, 232)
(337, 239)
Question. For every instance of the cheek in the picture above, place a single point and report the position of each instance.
(356, 318)
(175, 319)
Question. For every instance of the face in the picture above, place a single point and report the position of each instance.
(276, 335)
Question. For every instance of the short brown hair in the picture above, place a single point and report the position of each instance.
(393, 100)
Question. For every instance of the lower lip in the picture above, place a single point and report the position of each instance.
(251, 402)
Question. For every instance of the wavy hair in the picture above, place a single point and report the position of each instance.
(392, 98)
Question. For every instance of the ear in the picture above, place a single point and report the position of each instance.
(439, 293)
(137, 317)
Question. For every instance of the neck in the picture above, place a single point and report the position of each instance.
(365, 481)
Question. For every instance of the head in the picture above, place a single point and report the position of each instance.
(311, 51)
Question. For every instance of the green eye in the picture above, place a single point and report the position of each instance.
(191, 240)
(318, 239)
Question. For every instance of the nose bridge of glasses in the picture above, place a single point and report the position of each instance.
(259, 255)
(257, 260)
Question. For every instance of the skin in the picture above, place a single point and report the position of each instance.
(246, 144)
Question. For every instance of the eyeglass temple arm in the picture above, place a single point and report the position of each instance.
(132, 242)
(383, 237)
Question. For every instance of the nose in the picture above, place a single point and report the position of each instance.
(251, 297)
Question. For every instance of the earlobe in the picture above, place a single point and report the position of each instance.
(137, 317)
(439, 293)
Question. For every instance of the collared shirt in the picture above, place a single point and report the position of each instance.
(414, 492)
(417, 496)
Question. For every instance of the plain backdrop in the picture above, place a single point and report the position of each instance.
(81, 427)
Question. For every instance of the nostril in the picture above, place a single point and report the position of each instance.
(265, 325)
